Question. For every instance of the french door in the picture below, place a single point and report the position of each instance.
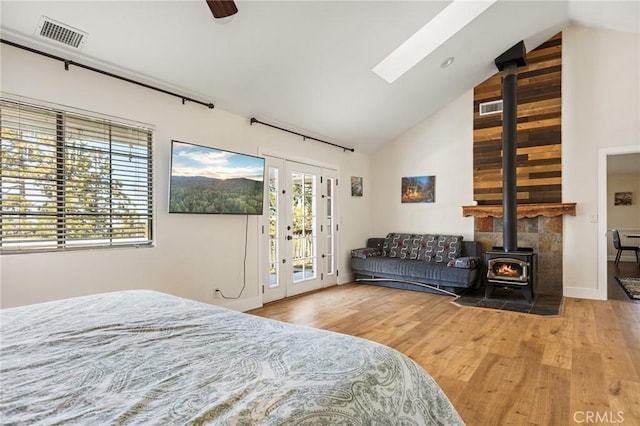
(298, 229)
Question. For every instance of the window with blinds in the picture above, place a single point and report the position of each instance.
(70, 181)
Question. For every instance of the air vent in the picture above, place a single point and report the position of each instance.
(60, 32)
(493, 107)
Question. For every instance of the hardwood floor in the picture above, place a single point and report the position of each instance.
(496, 367)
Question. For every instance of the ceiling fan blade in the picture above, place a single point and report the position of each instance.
(222, 8)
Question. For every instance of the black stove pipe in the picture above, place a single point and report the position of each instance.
(509, 62)
(509, 148)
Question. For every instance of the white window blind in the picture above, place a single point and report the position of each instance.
(71, 181)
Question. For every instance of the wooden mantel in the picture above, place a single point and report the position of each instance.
(523, 210)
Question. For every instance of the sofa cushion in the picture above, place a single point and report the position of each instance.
(375, 243)
(397, 245)
(427, 250)
(448, 247)
(386, 246)
(364, 253)
(467, 262)
(414, 246)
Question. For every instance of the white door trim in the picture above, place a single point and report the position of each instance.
(603, 153)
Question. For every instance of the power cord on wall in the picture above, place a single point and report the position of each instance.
(244, 265)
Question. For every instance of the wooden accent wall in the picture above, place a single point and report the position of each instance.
(539, 132)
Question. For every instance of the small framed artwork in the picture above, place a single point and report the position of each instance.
(622, 198)
(419, 189)
(356, 186)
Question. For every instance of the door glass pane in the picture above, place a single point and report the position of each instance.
(298, 270)
(304, 220)
(273, 228)
(309, 268)
(329, 257)
(330, 267)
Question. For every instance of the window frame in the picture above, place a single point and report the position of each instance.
(138, 206)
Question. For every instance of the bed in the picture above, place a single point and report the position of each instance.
(143, 357)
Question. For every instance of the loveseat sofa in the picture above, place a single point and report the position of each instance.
(423, 262)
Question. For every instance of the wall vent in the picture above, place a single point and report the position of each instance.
(493, 107)
(60, 32)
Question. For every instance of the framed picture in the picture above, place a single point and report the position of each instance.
(622, 198)
(356, 186)
(419, 189)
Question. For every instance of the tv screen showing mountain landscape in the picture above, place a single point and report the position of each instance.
(210, 180)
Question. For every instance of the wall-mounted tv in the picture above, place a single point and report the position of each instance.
(214, 181)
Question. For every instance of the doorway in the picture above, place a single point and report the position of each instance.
(298, 230)
(604, 156)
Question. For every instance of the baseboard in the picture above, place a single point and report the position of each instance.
(346, 278)
(243, 305)
(583, 293)
(623, 258)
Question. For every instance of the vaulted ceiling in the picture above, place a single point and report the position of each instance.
(305, 65)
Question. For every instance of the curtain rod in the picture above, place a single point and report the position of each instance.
(304, 137)
(68, 62)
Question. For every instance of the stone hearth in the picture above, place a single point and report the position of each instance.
(543, 234)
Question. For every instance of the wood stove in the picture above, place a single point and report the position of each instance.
(515, 269)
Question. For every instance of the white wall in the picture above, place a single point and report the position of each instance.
(193, 253)
(623, 218)
(440, 146)
(600, 109)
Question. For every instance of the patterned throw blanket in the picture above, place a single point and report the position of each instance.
(141, 357)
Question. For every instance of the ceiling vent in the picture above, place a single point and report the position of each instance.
(60, 32)
(493, 107)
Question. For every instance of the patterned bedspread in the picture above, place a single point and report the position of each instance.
(142, 357)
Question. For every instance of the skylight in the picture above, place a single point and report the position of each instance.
(453, 18)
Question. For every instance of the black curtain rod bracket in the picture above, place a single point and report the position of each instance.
(68, 62)
(304, 137)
